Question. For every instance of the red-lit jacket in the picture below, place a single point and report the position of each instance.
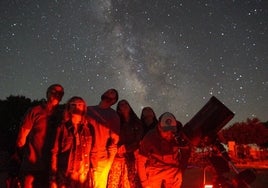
(71, 152)
(158, 159)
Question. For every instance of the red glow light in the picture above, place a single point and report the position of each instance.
(208, 186)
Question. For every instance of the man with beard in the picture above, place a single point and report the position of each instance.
(106, 128)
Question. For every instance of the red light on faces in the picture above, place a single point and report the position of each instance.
(208, 186)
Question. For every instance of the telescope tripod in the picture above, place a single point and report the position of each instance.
(222, 163)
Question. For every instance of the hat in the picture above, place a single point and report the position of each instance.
(167, 122)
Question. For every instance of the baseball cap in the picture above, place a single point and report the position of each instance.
(167, 122)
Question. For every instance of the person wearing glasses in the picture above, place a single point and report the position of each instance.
(70, 161)
(35, 138)
(106, 129)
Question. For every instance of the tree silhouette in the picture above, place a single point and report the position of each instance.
(251, 131)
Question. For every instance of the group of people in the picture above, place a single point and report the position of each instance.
(97, 146)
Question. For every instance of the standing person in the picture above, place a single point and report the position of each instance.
(159, 155)
(123, 173)
(35, 137)
(106, 126)
(148, 119)
(70, 161)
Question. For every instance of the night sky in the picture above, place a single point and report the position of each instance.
(172, 55)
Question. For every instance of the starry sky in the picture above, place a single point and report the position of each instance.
(172, 55)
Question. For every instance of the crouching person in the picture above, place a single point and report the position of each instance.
(70, 153)
(159, 156)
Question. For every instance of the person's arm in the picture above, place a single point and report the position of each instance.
(26, 126)
(21, 140)
(54, 159)
(114, 138)
(22, 135)
(141, 168)
(55, 151)
(112, 149)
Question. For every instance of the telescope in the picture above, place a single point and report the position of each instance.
(202, 130)
(207, 122)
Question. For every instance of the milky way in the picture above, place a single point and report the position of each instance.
(172, 55)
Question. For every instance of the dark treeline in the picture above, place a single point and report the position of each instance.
(252, 131)
(13, 108)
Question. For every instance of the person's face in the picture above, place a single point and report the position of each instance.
(109, 97)
(124, 107)
(77, 107)
(167, 135)
(55, 95)
(148, 116)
